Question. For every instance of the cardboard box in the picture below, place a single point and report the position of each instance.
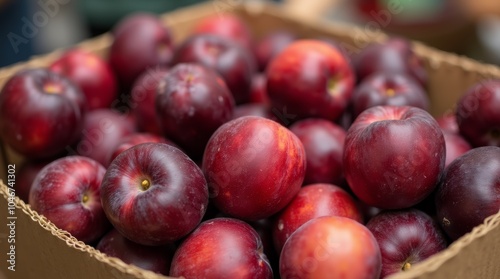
(43, 251)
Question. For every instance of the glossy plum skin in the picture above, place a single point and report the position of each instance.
(328, 247)
(144, 98)
(140, 42)
(448, 122)
(310, 79)
(228, 26)
(393, 156)
(135, 139)
(191, 103)
(156, 259)
(270, 46)
(405, 238)
(393, 56)
(41, 113)
(469, 191)
(91, 74)
(254, 167)
(478, 115)
(313, 201)
(66, 191)
(395, 89)
(221, 248)
(258, 93)
(103, 129)
(233, 63)
(455, 147)
(154, 194)
(324, 145)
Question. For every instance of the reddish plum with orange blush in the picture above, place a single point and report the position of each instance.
(313, 201)
(324, 145)
(310, 79)
(41, 113)
(221, 248)
(254, 167)
(333, 246)
(91, 74)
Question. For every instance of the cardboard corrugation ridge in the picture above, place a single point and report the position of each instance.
(475, 255)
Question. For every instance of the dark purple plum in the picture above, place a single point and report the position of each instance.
(405, 238)
(469, 191)
(191, 103)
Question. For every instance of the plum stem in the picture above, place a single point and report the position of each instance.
(406, 266)
(145, 184)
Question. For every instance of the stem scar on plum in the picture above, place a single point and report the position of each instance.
(446, 222)
(390, 92)
(332, 85)
(145, 184)
(51, 88)
(406, 266)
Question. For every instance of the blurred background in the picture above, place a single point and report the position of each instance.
(468, 27)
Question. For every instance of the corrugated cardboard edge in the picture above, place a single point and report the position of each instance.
(434, 58)
(72, 242)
